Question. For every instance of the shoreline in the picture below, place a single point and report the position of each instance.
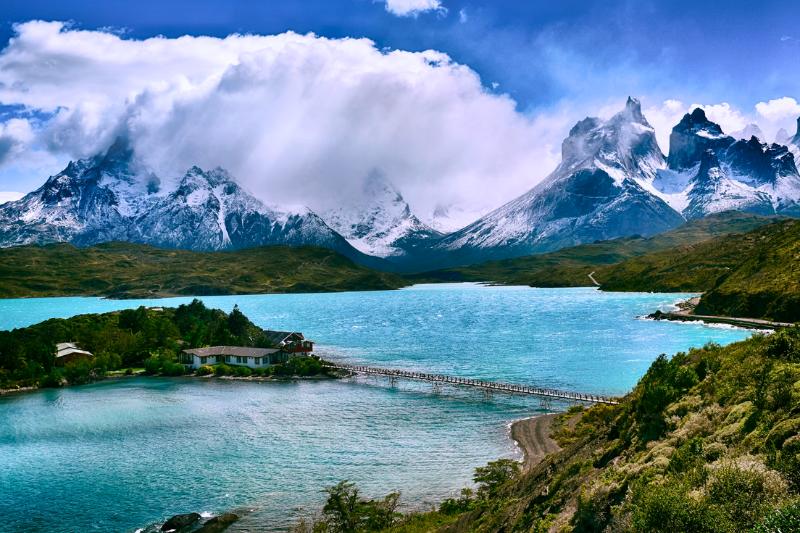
(532, 436)
(685, 313)
(258, 379)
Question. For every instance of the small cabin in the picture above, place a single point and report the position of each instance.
(233, 355)
(69, 352)
(291, 342)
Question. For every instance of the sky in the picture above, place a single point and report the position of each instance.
(461, 104)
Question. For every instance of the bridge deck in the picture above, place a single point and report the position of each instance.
(476, 383)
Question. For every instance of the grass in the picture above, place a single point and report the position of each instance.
(124, 270)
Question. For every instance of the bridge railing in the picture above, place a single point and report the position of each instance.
(489, 385)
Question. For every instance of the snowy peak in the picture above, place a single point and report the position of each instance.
(112, 197)
(751, 130)
(624, 146)
(712, 172)
(596, 192)
(796, 139)
(691, 137)
(381, 222)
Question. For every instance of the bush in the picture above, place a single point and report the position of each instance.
(494, 475)
(465, 502)
(223, 370)
(205, 370)
(743, 495)
(781, 520)
(169, 368)
(53, 379)
(669, 509)
(346, 512)
(242, 371)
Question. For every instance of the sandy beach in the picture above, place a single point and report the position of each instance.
(533, 436)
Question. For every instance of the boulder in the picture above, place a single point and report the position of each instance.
(180, 521)
(218, 523)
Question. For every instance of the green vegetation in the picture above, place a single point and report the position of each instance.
(148, 338)
(570, 267)
(708, 441)
(756, 274)
(123, 270)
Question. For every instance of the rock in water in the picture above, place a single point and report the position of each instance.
(180, 521)
(218, 523)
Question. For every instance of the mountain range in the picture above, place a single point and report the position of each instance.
(613, 181)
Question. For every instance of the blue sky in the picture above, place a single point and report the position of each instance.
(313, 115)
(736, 51)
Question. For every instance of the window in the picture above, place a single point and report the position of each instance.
(203, 360)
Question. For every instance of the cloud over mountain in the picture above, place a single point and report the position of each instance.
(298, 118)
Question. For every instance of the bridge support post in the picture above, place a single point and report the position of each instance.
(436, 387)
(488, 394)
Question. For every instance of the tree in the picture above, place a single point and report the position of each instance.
(494, 475)
(237, 322)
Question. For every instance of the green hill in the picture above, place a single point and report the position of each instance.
(756, 274)
(123, 270)
(570, 267)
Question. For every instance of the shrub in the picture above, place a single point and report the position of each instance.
(205, 370)
(345, 511)
(742, 494)
(781, 520)
(169, 368)
(494, 475)
(242, 371)
(222, 370)
(465, 502)
(669, 509)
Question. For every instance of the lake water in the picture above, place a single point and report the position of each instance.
(117, 455)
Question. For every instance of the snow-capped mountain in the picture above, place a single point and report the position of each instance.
(598, 191)
(751, 130)
(108, 197)
(710, 172)
(381, 223)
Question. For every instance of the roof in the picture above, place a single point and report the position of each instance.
(277, 337)
(239, 351)
(64, 345)
(70, 348)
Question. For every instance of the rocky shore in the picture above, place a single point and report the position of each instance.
(532, 435)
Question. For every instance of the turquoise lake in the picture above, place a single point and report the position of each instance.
(119, 455)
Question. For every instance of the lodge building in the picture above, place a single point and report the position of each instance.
(287, 344)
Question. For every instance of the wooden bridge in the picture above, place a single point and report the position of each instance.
(474, 383)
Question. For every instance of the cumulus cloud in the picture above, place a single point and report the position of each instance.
(779, 109)
(412, 8)
(297, 118)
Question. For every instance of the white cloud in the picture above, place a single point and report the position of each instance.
(779, 109)
(297, 118)
(412, 8)
(463, 17)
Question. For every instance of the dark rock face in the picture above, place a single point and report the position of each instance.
(759, 162)
(219, 523)
(180, 522)
(796, 139)
(693, 135)
(724, 174)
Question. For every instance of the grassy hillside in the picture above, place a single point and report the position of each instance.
(123, 270)
(756, 274)
(569, 267)
(708, 441)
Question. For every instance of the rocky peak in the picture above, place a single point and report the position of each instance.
(796, 139)
(691, 137)
(757, 163)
